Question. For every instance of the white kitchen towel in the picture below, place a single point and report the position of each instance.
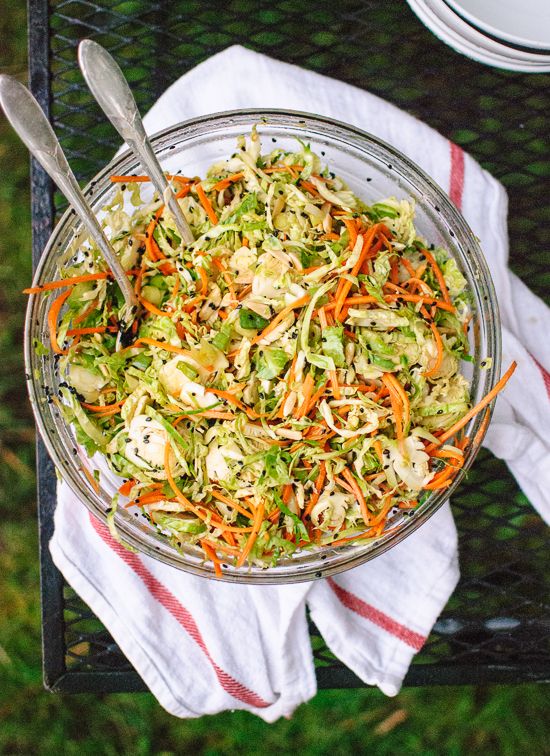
(204, 646)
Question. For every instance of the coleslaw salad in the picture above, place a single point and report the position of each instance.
(293, 377)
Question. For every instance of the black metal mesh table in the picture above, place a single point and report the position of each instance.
(496, 626)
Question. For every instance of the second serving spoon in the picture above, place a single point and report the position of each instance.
(109, 87)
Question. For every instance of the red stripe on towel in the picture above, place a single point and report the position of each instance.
(180, 613)
(457, 175)
(357, 605)
(545, 375)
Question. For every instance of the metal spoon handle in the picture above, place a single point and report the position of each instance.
(109, 87)
(28, 119)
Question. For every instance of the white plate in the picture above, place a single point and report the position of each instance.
(478, 39)
(459, 35)
(522, 22)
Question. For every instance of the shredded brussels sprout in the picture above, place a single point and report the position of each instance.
(289, 372)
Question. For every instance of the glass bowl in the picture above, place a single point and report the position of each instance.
(373, 170)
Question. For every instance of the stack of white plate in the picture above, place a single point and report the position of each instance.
(509, 34)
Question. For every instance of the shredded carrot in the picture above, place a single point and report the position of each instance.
(246, 290)
(394, 270)
(346, 486)
(307, 390)
(258, 519)
(85, 313)
(311, 269)
(315, 398)
(438, 274)
(418, 282)
(207, 205)
(211, 554)
(442, 480)
(378, 449)
(231, 503)
(400, 391)
(281, 316)
(370, 533)
(53, 315)
(409, 267)
(287, 493)
(91, 480)
(381, 516)
(221, 547)
(439, 357)
(482, 428)
(142, 179)
(176, 288)
(319, 484)
(88, 331)
(351, 226)
(487, 399)
(103, 407)
(153, 309)
(345, 285)
(160, 345)
(225, 182)
(396, 405)
(309, 187)
(348, 475)
(129, 179)
(67, 282)
(230, 399)
(125, 488)
(204, 280)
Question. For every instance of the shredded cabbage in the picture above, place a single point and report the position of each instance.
(284, 387)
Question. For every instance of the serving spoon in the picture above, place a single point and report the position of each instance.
(29, 121)
(109, 87)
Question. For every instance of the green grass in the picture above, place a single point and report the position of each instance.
(492, 720)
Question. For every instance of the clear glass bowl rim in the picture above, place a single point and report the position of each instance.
(314, 566)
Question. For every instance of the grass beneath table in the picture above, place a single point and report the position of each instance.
(496, 719)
